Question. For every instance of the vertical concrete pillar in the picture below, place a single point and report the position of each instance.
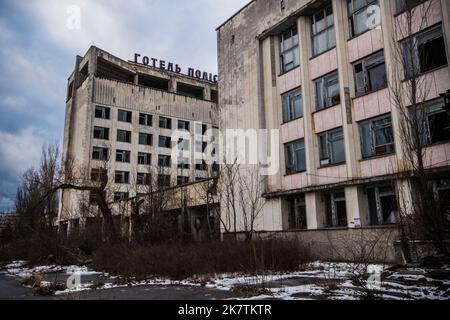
(172, 85)
(356, 205)
(350, 129)
(314, 210)
(207, 93)
(311, 149)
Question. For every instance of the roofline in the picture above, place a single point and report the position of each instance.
(237, 12)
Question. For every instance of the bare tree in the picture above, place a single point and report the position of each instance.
(420, 215)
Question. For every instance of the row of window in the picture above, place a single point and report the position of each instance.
(124, 156)
(381, 203)
(147, 120)
(381, 200)
(363, 15)
(377, 138)
(370, 74)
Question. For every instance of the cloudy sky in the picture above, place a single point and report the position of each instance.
(37, 54)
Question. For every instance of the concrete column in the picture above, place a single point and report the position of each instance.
(311, 148)
(350, 128)
(314, 210)
(172, 86)
(393, 69)
(445, 6)
(356, 205)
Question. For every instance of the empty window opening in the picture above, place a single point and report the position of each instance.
(109, 70)
(101, 133)
(214, 96)
(189, 90)
(335, 209)
(289, 50)
(292, 105)
(297, 213)
(295, 157)
(433, 120)
(124, 136)
(327, 91)
(370, 74)
(382, 205)
(123, 156)
(332, 148)
(153, 82)
(102, 112)
(377, 137)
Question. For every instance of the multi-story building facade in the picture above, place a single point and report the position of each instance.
(122, 115)
(322, 72)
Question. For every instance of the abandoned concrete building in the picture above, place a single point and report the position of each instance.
(321, 72)
(120, 117)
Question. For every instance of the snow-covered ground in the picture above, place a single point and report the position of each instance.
(318, 280)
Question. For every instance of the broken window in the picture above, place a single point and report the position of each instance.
(377, 137)
(121, 196)
(145, 139)
(323, 35)
(404, 5)
(153, 82)
(102, 112)
(144, 158)
(361, 18)
(183, 125)
(145, 119)
(292, 105)
(370, 74)
(335, 209)
(165, 123)
(123, 156)
(297, 213)
(124, 116)
(327, 91)
(443, 195)
(101, 133)
(332, 148)
(382, 205)
(164, 160)
(424, 52)
(295, 157)
(190, 91)
(99, 153)
(109, 70)
(433, 121)
(122, 177)
(123, 136)
(163, 181)
(165, 142)
(182, 180)
(289, 50)
(143, 179)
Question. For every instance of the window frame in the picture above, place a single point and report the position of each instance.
(367, 64)
(332, 218)
(167, 144)
(329, 27)
(105, 112)
(128, 116)
(325, 83)
(373, 127)
(145, 119)
(146, 156)
(123, 156)
(164, 161)
(292, 150)
(100, 151)
(148, 138)
(104, 135)
(352, 13)
(294, 49)
(167, 123)
(329, 147)
(123, 174)
(378, 194)
(128, 134)
(184, 127)
(294, 213)
(288, 102)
